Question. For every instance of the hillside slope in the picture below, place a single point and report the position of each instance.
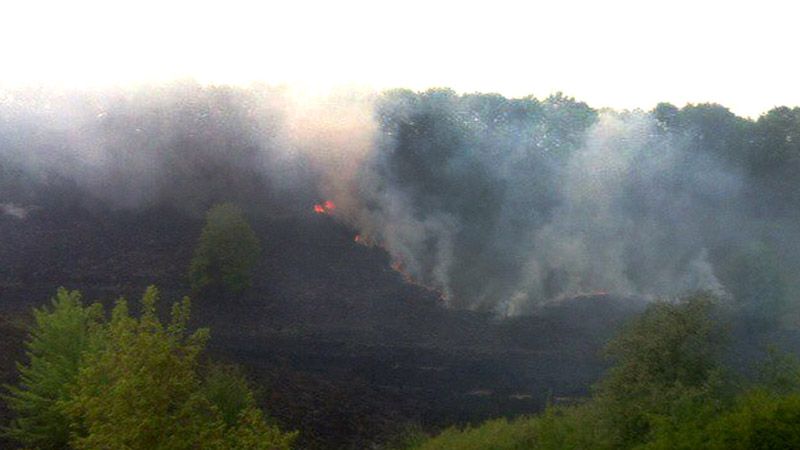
(343, 348)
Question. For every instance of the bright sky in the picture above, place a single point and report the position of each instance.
(622, 54)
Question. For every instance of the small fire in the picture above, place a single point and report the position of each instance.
(365, 240)
(400, 267)
(326, 207)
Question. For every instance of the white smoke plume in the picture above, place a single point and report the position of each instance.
(498, 204)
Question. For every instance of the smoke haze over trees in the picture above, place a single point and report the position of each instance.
(499, 204)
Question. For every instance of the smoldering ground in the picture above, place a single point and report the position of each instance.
(499, 204)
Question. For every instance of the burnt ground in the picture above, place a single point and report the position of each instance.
(340, 346)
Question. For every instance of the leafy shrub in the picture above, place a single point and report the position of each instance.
(227, 389)
(558, 428)
(498, 434)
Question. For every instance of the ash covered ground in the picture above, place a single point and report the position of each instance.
(341, 346)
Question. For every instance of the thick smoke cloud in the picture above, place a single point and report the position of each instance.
(499, 204)
(182, 145)
(504, 205)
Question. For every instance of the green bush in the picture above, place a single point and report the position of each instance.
(131, 383)
(227, 389)
(226, 253)
(568, 428)
(498, 434)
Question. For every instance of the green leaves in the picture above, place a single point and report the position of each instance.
(60, 339)
(670, 344)
(666, 361)
(226, 253)
(130, 383)
(142, 391)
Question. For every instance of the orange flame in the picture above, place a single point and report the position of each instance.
(326, 207)
(399, 266)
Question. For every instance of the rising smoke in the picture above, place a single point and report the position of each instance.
(507, 213)
(498, 204)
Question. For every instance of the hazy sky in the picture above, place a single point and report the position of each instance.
(623, 54)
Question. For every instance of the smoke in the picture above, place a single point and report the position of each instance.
(498, 204)
(626, 225)
(182, 145)
(16, 211)
(331, 137)
(507, 209)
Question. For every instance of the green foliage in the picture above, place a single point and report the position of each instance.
(761, 420)
(666, 114)
(499, 434)
(411, 436)
(227, 389)
(252, 432)
(567, 428)
(666, 359)
(227, 251)
(59, 340)
(670, 343)
(664, 390)
(777, 141)
(131, 383)
(143, 390)
(780, 373)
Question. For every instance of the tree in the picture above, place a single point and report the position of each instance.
(144, 391)
(226, 253)
(667, 364)
(59, 340)
(777, 142)
(130, 383)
